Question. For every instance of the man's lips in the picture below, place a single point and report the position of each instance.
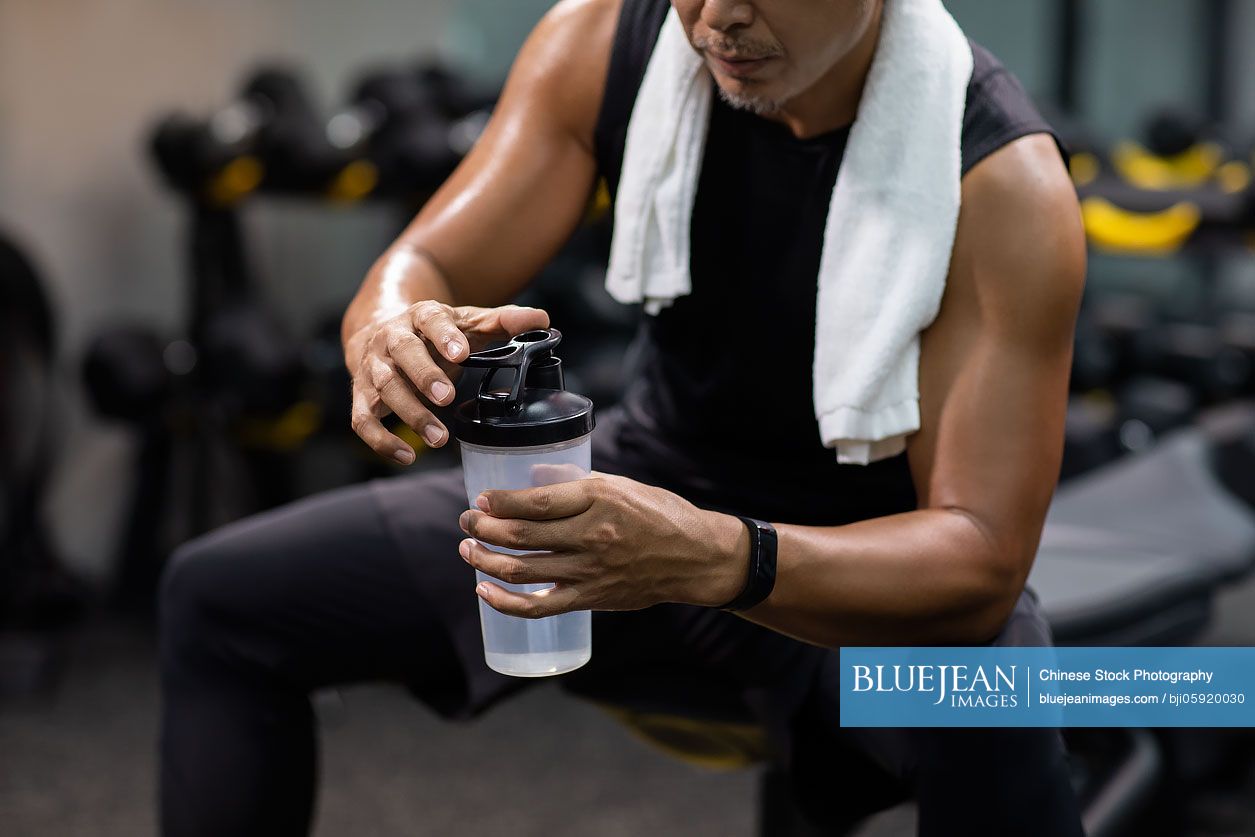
(737, 67)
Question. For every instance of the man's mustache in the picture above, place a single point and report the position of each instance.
(740, 50)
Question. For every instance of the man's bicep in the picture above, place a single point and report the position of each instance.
(523, 188)
(994, 365)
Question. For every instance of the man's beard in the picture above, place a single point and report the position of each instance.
(754, 104)
(748, 49)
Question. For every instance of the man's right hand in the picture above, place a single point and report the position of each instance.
(411, 360)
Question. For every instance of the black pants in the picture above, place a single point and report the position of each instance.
(365, 583)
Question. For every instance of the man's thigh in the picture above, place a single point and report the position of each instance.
(318, 592)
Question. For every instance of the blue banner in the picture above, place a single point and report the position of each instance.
(1073, 686)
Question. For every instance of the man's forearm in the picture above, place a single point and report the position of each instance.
(924, 577)
(400, 277)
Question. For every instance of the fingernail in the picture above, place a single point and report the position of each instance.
(405, 456)
(433, 435)
(440, 390)
(464, 520)
(481, 503)
(481, 589)
(455, 348)
(464, 549)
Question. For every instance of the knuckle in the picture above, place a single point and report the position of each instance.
(467, 316)
(513, 571)
(425, 313)
(604, 533)
(401, 340)
(542, 501)
(360, 422)
(515, 533)
(382, 377)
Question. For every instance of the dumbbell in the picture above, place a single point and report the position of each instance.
(248, 361)
(466, 107)
(1171, 131)
(289, 138)
(269, 132)
(451, 90)
(398, 125)
(126, 374)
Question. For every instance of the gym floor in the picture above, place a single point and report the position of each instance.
(82, 762)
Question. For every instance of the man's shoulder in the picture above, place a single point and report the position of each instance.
(1020, 244)
(998, 109)
(586, 27)
(561, 70)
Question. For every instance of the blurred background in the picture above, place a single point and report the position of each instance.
(191, 192)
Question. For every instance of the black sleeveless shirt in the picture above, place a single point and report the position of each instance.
(722, 409)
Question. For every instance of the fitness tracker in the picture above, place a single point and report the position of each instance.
(762, 566)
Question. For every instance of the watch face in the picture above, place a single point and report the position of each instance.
(762, 565)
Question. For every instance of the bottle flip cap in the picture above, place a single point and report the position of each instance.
(535, 409)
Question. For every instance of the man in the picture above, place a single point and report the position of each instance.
(932, 546)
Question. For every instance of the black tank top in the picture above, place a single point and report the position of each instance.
(718, 410)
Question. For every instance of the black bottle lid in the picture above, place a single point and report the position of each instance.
(535, 409)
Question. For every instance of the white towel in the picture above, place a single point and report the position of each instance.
(890, 226)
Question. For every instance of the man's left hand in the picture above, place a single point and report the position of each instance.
(607, 543)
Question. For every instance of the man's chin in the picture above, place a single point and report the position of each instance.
(743, 100)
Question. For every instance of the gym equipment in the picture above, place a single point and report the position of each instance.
(216, 410)
(269, 136)
(1122, 218)
(1101, 427)
(1186, 185)
(1133, 554)
(397, 125)
(125, 374)
(412, 127)
(1125, 392)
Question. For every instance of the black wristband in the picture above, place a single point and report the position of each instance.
(762, 566)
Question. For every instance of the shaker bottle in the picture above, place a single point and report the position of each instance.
(527, 432)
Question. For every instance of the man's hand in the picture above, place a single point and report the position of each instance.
(608, 543)
(416, 353)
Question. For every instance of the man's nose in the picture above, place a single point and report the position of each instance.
(724, 15)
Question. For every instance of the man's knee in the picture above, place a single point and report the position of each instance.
(193, 596)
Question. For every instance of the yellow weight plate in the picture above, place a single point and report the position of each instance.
(1112, 228)
(1186, 170)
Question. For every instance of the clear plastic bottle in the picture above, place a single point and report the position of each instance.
(534, 433)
